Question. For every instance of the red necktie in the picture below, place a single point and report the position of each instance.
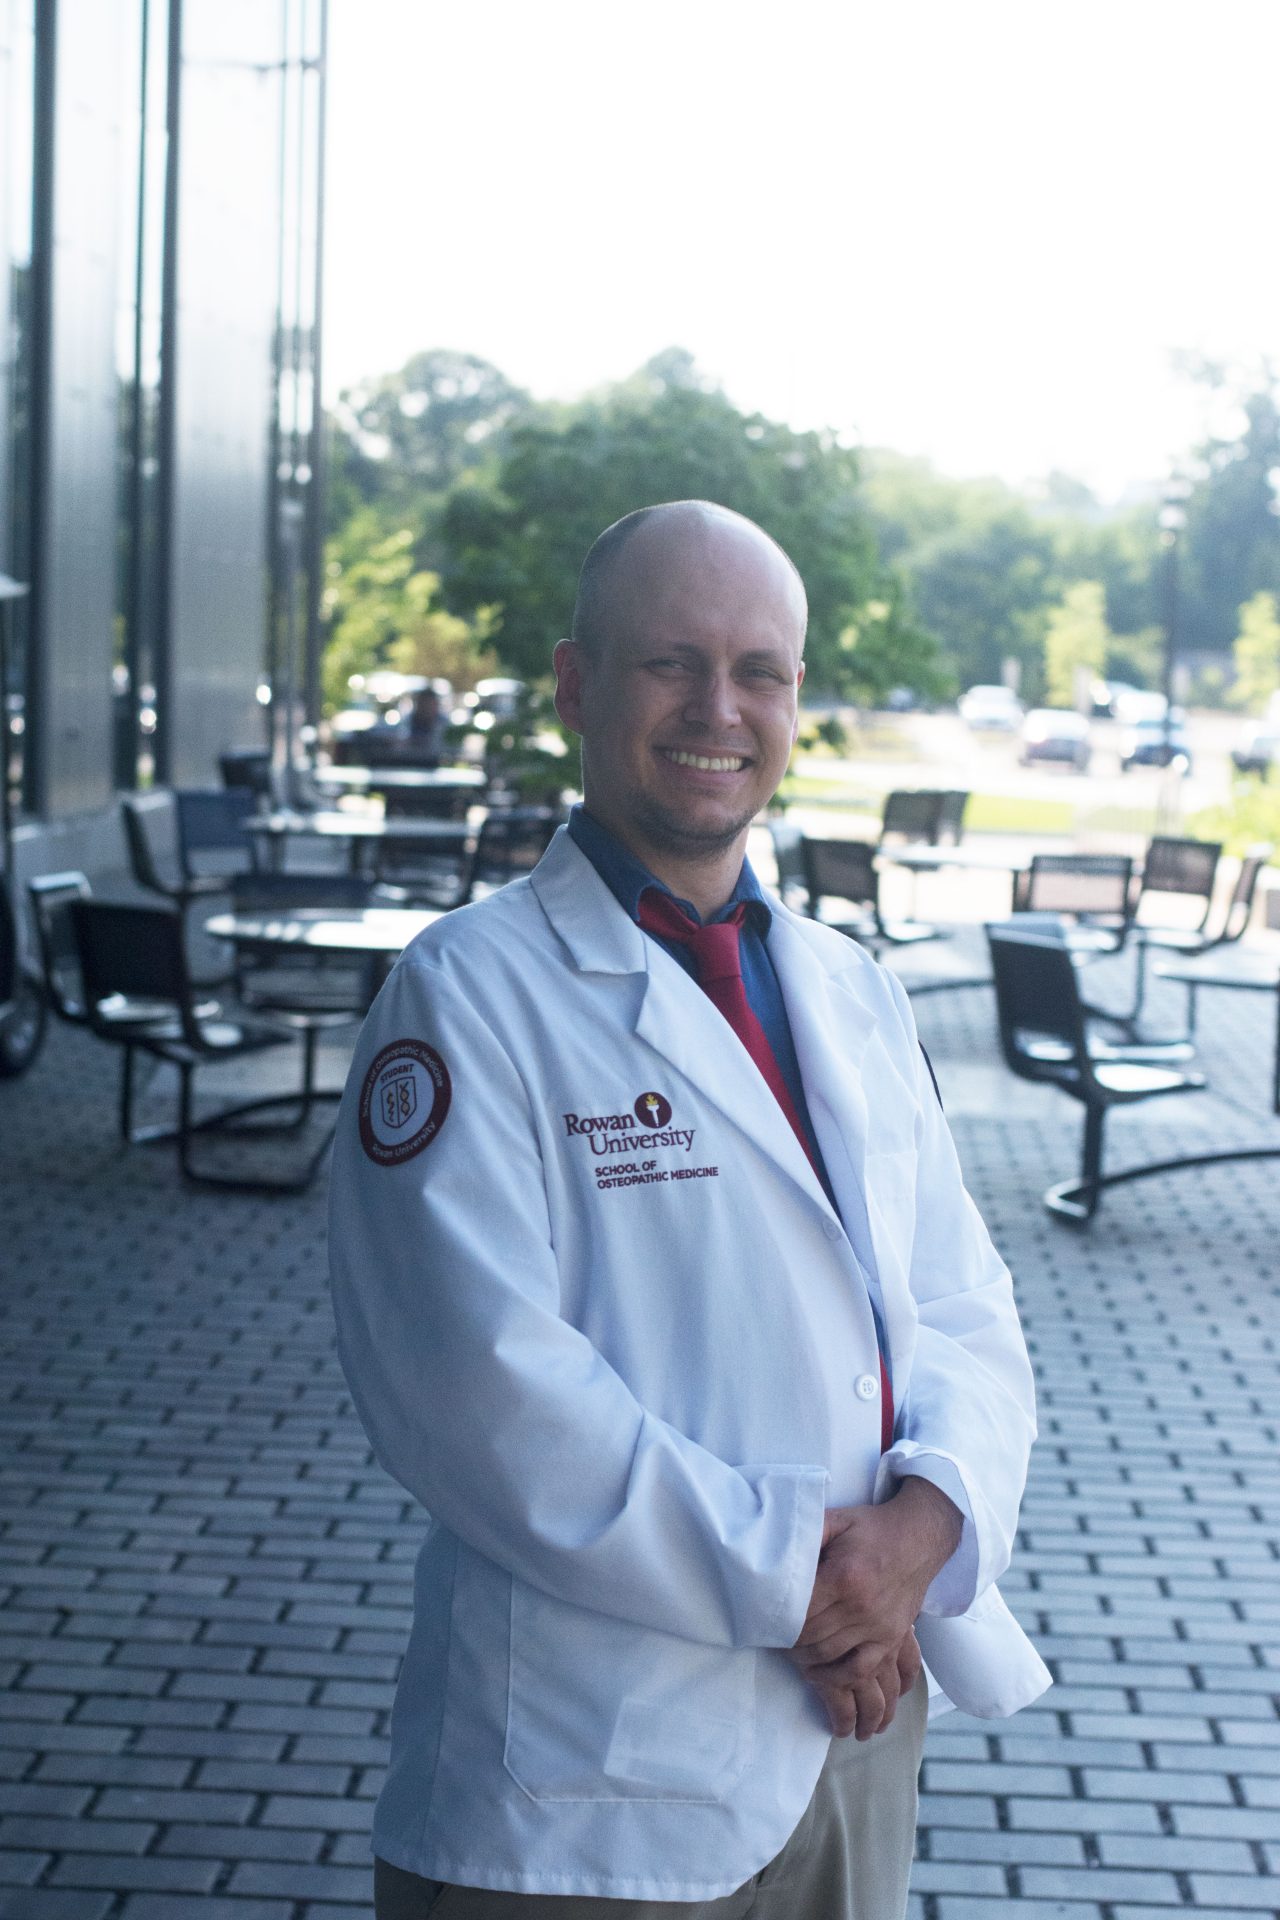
(717, 959)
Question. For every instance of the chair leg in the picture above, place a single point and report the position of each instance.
(310, 1039)
(1076, 1201)
(126, 1096)
(1091, 1162)
(1129, 1023)
(184, 1118)
(131, 1135)
(306, 1097)
(1139, 982)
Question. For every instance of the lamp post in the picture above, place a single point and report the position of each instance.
(1173, 518)
(285, 713)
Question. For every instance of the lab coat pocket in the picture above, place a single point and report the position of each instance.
(601, 1709)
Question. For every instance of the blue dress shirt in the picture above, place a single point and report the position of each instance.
(626, 878)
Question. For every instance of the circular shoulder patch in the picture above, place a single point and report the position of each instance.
(404, 1102)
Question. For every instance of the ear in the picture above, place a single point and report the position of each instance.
(570, 667)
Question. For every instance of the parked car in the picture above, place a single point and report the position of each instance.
(491, 700)
(1259, 749)
(991, 709)
(1135, 706)
(1057, 734)
(1156, 743)
(377, 729)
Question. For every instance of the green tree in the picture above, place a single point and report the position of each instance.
(1230, 549)
(418, 429)
(983, 591)
(514, 537)
(1257, 653)
(1076, 641)
(984, 563)
(883, 647)
(382, 611)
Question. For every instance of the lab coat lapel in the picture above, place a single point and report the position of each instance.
(681, 1024)
(840, 1053)
(673, 1014)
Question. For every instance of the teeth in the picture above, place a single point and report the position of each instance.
(705, 763)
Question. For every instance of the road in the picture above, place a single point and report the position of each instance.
(938, 750)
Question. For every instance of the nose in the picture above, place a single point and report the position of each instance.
(713, 703)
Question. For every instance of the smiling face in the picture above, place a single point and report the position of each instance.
(686, 700)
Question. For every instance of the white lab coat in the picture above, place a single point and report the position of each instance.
(625, 1406)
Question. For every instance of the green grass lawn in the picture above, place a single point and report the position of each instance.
(986, 812)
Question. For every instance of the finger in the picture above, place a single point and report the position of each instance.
(824, 1653)
(860, 1667)
(838, 1704)
(909, 1663)
(870, 1704)
(891, 1686)
(842, 1711)
(824, 1643)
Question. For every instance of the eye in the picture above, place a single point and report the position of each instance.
(667, 664)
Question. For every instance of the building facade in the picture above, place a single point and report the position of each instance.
(160, 239)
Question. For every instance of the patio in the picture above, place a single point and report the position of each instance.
(206, 1581)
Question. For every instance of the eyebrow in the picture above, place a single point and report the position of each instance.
(758, 656)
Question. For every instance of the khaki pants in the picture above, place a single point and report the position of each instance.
(849, 1858)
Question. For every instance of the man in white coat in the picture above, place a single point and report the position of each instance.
(656, 1283)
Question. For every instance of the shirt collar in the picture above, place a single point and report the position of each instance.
(627, 878)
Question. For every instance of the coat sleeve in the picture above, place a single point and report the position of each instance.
(498, 1415)
(967, 1418)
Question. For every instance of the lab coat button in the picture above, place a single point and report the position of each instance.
(832, 1229)
(867, 1386)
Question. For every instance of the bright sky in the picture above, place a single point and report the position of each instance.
(970, 231)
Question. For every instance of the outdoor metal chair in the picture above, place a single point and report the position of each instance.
(788, 859)
(510, 843)
(950, 824)
(213, 837)
(311, 990)
(1171, 869)
(1187, 943)
(248, 767)
(1044, 1037)
(1090, 893)
(62, 984)
(131, 955)
(162, 844)
(425, 803)
(914, 815)
(51, 895)
(845, 871)
(429, 873)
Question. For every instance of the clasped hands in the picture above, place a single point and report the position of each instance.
(857, 1648)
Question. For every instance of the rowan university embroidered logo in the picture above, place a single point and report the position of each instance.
(404, 1101)
(652, 1110)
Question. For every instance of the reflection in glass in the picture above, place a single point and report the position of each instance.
(17, 179)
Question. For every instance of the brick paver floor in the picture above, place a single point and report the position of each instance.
(205, 1583)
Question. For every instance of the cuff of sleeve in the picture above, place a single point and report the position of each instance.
(954, 1587)
(799, 1567)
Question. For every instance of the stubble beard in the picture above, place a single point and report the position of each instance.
(670, 833)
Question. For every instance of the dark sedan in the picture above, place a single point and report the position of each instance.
(1153, 743)
(1259, 750)
(1056, 734)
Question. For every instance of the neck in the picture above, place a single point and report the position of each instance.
(705, 884)
(705, 879)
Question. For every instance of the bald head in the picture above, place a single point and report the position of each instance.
(635, 553)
